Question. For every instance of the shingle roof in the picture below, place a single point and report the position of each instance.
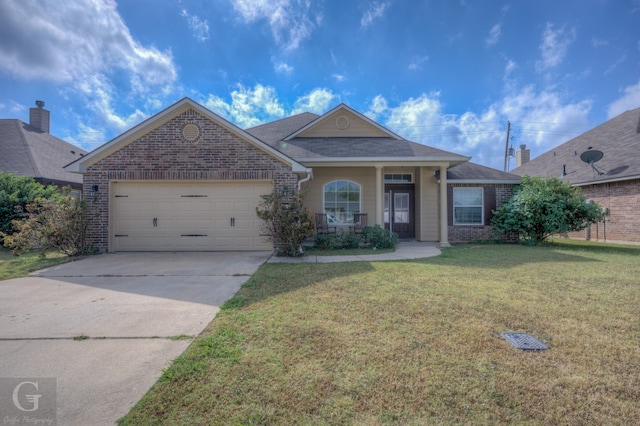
(315, 149)
(618, 139)
(27, 151)
(278, 130)
(475, 172)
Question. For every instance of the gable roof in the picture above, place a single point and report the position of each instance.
(618, 139)
(28, 151)
(379, 130)
(81, 165)
(287, 136)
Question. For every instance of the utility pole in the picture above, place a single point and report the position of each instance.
(506, 147)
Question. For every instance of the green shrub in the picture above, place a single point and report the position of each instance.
(59, 224)
(349, 240)
(326, 241)
(15, 193)
(378, 237)
(541, 207)
(287, 222)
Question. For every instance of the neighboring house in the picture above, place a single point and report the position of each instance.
(187, 179)
(612, 181)
(30, 150)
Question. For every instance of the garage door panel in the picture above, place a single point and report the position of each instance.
(191, 216)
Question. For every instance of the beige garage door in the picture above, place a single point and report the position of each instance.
(177, 216)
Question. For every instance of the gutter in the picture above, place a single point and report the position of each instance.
(306, 179)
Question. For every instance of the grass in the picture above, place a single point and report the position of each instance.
(418, 342)
(19, 266)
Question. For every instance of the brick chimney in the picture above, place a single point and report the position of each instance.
(39, 117)
(523, 155)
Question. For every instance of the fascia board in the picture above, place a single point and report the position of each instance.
(597, 182)
(485, 181)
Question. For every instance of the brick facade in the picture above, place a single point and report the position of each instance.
(623, 201)
(164, 154)
(494, 196)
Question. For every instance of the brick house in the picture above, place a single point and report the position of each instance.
(187, 179)
(30, 150)
(605, 163)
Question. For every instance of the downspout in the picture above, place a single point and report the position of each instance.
(306, 179)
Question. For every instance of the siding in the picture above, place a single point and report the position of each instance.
(329, 129)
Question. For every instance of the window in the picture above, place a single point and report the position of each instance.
(467, 206)
(398, 178)
(341, 201)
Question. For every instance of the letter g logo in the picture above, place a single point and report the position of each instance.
(33, 399)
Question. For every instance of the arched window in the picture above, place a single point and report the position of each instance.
(341, 201)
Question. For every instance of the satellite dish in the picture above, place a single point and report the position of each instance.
(592, 156)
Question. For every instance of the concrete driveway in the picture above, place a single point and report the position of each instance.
(129, 305)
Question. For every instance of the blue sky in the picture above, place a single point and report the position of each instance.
(447, 73)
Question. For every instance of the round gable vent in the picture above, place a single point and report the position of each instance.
(342, 122)
(190, 132)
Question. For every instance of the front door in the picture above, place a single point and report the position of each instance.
(399, 209)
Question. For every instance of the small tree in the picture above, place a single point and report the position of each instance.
(59, 224)
(287, 222)
(15, 193)
(542, 207)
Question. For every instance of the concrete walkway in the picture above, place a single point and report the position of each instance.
(405, 251)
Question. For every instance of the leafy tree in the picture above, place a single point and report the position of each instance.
(59, 224)
(542, 207)
(15, 193)
(286, 220)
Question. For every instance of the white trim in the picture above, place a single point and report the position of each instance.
(485, 181)
(399, 182)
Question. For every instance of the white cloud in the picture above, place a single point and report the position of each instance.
(615, 65)
(248, 107)
(379, 106)
(540, 119)
(629, 100)
(494, 35)
(339, 77)
(374, 12)
(554, 46)
(283, 68)
(86, 49)
(199, 27)
(317, 101)
(598, 42)
(290, 20)
(63, 42)
(417, 62)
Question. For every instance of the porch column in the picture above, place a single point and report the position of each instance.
(379, 196)
(444, 216)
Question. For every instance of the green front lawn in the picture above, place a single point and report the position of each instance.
(418, 342)
(19, 266)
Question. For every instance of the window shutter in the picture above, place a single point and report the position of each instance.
(450, 205)
(489, 203)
